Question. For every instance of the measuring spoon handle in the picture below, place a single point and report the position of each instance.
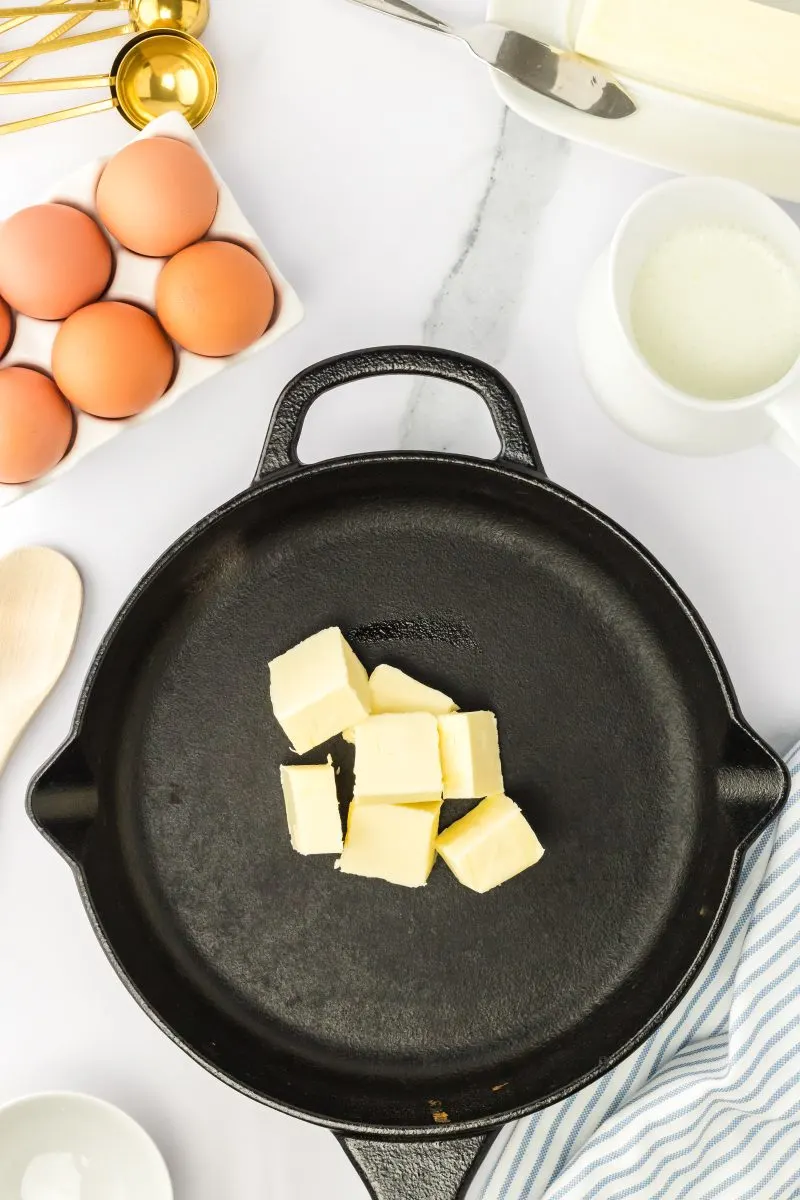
(59, 10)
(71, 83)
(66, 43)
(18, 60)
(64, 114)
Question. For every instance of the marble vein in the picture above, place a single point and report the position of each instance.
(476, 307)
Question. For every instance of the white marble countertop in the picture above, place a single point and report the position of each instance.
(405, 204)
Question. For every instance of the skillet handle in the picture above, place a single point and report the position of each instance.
(752, 783)
(517, 447)
(432, 1170)
(63, 801)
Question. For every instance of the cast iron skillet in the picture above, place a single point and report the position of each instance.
(413, 1023)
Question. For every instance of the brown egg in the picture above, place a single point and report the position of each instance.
(53, 260)
(215, 299)
(6, 327)
(36, 425)
(112, 359)
(157, 196)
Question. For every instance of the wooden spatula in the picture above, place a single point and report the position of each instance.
(41, 596)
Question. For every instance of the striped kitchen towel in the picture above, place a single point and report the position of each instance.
(710, 1105)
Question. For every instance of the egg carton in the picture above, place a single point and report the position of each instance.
(135, 280)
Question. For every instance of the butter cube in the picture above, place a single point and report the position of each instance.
(312, 809)
(392, 691)
(470, 751)
(317, 689)
(395, 842)
(397, 760)
(490, 845)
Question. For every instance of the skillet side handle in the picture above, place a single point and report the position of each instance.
(432, 1170)
(63, 801)
(517, 446)
(752, 784)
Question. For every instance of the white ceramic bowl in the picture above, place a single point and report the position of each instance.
(62, 1146)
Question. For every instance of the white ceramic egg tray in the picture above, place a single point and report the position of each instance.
(135, 280)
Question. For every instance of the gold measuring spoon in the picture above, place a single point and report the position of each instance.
(187, 16)
(156, 73)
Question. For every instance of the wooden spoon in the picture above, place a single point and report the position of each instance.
(41, 596)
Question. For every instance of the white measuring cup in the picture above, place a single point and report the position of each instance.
(621, 377)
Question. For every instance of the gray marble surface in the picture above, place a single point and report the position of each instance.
(478, 303)
(405, 205)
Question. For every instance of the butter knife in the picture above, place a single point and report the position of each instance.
(562, 75)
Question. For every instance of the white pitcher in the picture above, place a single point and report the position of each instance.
(627, 386)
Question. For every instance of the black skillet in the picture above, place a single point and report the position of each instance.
(413, 1023)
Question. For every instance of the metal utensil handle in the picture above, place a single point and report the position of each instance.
(517, 447)
(5, 26)
(62, 10)
(407, 12)
(69, 83)
(64, 114)
(22, 57)
(55, 43)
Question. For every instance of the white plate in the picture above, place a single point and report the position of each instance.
(669, 130)
(61, 1146)
(135, 279)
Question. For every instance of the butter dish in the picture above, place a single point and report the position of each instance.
(669, 130)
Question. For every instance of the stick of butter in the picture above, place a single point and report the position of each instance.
(490, 845)
(395, 842)
(397, 760)
(733, 52)
(318, 688)
(312, 809)
(470, 751)
(392, 691)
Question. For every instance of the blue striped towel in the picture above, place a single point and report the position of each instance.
(710, 1105)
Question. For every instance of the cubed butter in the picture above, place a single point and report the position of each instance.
(395, 842)
(392, 691)
(318, 688)
(470, 751)
(734, 52)
(490, 845)
(312, 809)
(397, 760)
